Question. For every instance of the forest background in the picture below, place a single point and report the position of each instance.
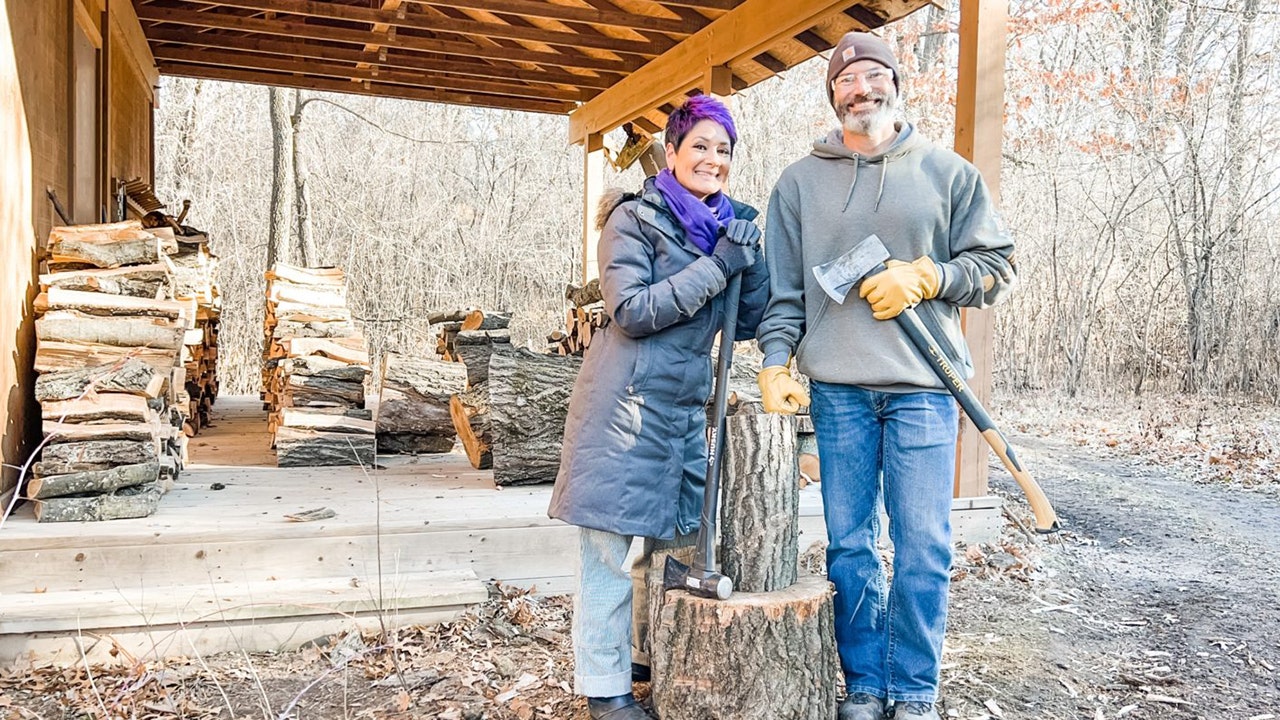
(1141, 180)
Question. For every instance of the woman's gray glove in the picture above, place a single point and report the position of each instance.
(736, 249)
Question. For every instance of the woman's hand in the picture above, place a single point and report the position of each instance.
(742, 232)
(737, 248)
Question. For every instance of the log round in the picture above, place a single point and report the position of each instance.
(760, 485)
(413, 408)
(755, 656)
(528, 401)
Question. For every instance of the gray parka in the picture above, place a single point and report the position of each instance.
(635, 449)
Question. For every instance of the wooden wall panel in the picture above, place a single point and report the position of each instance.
(129, 122)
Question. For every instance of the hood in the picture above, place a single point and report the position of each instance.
(832, 147)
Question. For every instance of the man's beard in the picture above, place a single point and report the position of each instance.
(863, 123)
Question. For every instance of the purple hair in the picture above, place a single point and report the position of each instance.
(694, 110)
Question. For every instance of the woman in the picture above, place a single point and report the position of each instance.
(634, 457)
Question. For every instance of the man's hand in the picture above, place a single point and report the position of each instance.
(900, 286)
(779, 392)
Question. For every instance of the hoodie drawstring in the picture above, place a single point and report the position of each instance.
(852, 184)
(884, 170)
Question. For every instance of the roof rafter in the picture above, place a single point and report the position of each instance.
(566, 13)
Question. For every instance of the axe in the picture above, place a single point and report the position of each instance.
(866, 258)
(702, 579)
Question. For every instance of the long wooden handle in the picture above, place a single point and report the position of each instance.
(1046, 518)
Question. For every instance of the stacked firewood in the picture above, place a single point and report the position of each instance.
(109, 340)
(583, 320)
(315, 368)
(413, 405)
(193, 267)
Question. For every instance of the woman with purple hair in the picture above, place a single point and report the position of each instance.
(635, 449)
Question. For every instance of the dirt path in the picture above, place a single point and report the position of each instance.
(1162, 600)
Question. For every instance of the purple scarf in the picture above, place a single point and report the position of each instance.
(701, 220)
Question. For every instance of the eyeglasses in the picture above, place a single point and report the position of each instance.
(879, 76)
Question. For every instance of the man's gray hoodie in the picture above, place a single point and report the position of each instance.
(920, 200)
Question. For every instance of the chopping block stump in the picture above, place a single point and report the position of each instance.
(755, 656)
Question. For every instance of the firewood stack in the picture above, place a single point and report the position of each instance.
(582, 320)
(316, 365)
(109, 339)
(193, 267)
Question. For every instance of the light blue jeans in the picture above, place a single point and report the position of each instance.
(611, 611)
(899, 446)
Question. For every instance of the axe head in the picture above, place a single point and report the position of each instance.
(703, 583)
(844, 273)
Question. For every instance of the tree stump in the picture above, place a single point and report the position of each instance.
(755, 656)
(528, 402)
(760, 486)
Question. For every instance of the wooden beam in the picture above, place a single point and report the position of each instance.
(592, 190)
(363, 88)
(703, 4)
(401, 60)
(565, 13)
(748, 30)
(978, 135)
(135, 43)
(330, 34)
(278, 63)
(440, 23)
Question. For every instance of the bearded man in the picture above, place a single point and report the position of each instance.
(886, 426)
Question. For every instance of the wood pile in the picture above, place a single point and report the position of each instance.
(193, 267)
(315, 368)
(110, 333)
(584, 319)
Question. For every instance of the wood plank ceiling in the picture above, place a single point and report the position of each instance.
(534, 55)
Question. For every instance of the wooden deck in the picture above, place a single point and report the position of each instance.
(220, 566)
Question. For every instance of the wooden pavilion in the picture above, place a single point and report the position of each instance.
(77, 91)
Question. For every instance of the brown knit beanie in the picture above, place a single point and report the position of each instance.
(856, 46)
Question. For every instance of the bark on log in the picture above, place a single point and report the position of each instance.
(760, 524)
(469, 411)
(97, 407)
(82, 432)
(413, 405)
(585, 295)
(291, 329)
(132, 376)
(475, 347)
(528, 402)
(755, 656)
(92, 481)
(130, 502)
(98, 304)
(319, 366)
(119, 331)
(144, 281)
(63, 458)
(308, 448)
(309, 389)
(106, 246)
(348, 350)
(57, 357)
(656, 594)
(328, 422)
(447, 316)
(481, 320)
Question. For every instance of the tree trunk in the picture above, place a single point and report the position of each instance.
(301, 198)
(278, 245)
(760, 517)
(528, 402)
(752, 657)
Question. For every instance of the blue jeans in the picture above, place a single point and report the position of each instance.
(899, 446)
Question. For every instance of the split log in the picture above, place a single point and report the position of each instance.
(132, 376)
(328, 275)
(130, 502)
(755, 656)
(98, 407)
(585, 295)
(481, 320)
(106, 246)
(317, 329)
(528, 402)
(315, 296)
(760, 517)
(132, 332)
(413, 405)
(63, 458)
(347, 350)
(329, 422)
(93, 481)
(469, 411)
(475, 347)
(64, 432)
(318, 389)
(57, 357)
(310, 448)
(323, 367)
(96, 303)
(447, 316)
(144, 281)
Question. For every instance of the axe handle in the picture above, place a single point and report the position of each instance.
(909, 321)
(705, 557)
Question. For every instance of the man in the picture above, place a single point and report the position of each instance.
(886, 426)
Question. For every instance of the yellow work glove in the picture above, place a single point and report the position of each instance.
(779, 392)
(900, 286)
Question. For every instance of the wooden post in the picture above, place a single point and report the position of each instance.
(592, 189)
(978, 134)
